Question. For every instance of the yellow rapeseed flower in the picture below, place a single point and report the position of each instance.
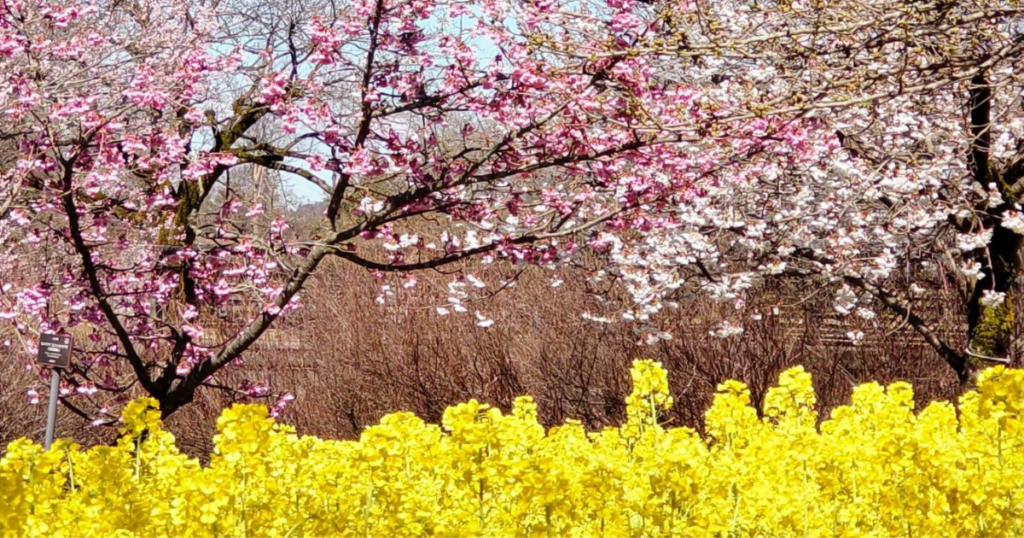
(872, 468)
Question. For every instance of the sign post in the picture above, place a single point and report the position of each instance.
(55, 352)
(51, 410)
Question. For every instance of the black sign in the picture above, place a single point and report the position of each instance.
(54, 350)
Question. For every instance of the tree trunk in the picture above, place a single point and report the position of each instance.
(990, 328)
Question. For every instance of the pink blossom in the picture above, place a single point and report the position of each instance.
(274, 88)
(697, 166)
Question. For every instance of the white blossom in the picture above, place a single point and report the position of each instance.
(726, 329)
(597, 319)
(866, 313)
(1013, 220)
(969, 242)
(992, 299)
(845, 300)
(995, 198)
(482, 321)
(653, 336)
(774, 267)
(369, 206)
(972, 269)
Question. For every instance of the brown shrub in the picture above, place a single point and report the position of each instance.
(349, 361)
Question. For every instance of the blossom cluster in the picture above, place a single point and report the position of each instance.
(467, 119)
(874, 467)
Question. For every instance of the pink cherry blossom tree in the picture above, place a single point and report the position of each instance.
(691, 144)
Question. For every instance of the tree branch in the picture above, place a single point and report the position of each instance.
(366, 111)
(95, 287)
(981, 129)
(955, 359)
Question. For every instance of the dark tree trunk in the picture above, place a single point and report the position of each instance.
(990, 327)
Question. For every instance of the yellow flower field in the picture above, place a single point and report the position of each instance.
(874, 468)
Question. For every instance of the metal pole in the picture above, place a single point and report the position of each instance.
(51, 411)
